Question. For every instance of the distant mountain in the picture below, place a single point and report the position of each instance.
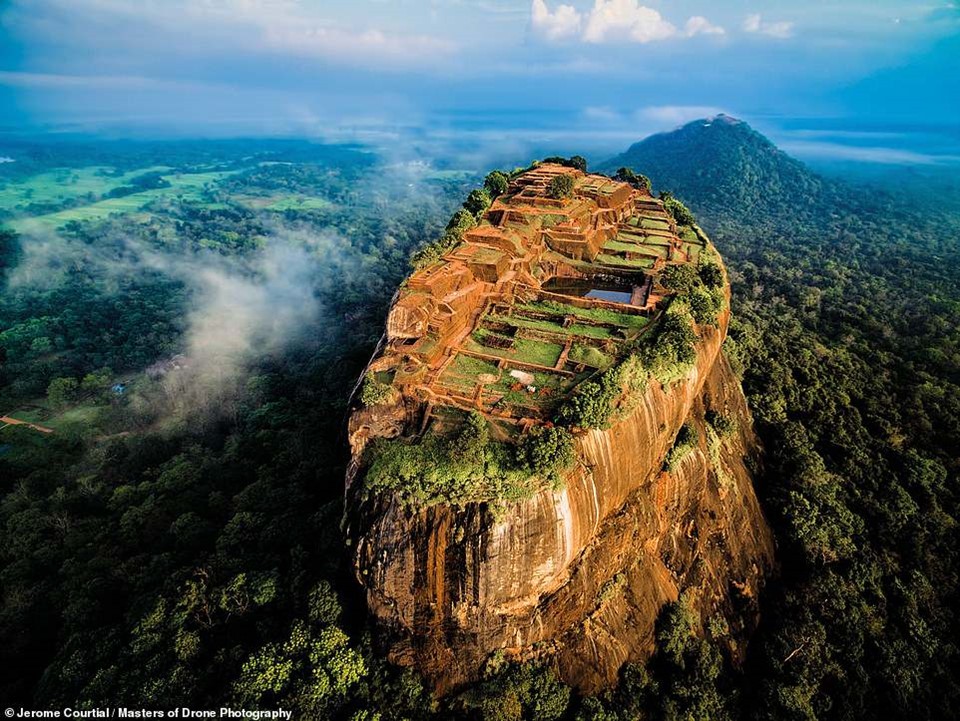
(719, 162)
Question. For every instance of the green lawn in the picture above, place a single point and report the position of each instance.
(612, 260)
(590, 356)
(86, 415)
(463, 371)
(655, 224)
(651, 249)
(524, 350)
(620, 245)
(601, 315)
(588, 331)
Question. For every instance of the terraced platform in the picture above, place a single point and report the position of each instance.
(543, 294)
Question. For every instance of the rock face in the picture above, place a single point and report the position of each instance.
(578, 574)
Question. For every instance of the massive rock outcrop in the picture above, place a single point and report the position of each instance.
(577, 573)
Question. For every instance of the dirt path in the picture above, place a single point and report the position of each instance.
(8, 421)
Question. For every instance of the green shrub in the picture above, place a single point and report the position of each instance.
(62, 391)
(723, 424)
(704, 306)
(467, 466)
(546, 452)
(589, 407)
(637, 180)
(711, 275)
(672, 351)
(496, 183)
(561, 186)
(594, 402)
(517, 691)
(375, 393)
(681, 213)
(679, 278)
(477, 202)
(460, 223)
(701, 289)
(575, 161)
(686, 441)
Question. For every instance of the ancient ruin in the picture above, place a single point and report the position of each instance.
(517, 300)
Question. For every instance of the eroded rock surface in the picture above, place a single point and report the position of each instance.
(580, 573)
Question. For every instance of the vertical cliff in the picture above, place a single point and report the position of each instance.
(577, 572)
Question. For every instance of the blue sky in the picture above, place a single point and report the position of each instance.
(594, 71)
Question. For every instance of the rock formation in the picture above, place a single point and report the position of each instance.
(577, 573)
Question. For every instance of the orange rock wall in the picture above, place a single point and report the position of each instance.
(449, 586)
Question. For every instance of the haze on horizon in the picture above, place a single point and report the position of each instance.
(874, 80)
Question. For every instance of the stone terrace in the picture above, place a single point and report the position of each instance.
(514, 318)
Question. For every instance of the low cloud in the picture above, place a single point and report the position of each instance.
(241, 310)
(239, 316)
(677, 114)
(63, 81)
(614, 21)
(755, 23)
(826, 151)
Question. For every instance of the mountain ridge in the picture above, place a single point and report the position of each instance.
(735, 165)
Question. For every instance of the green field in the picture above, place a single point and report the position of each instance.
(66, 184)
(186, 186)
(84, 414)
(462, 373)
(298, 203)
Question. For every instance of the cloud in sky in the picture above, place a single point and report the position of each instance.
(699, 25)
(273, 27)
(614, 21)
(754, 23)
(334, 43)
(562, 23)
(63, 81)
(626, 20)
(677, 114)
(882, 155)
(650, 116)
(260, 66)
